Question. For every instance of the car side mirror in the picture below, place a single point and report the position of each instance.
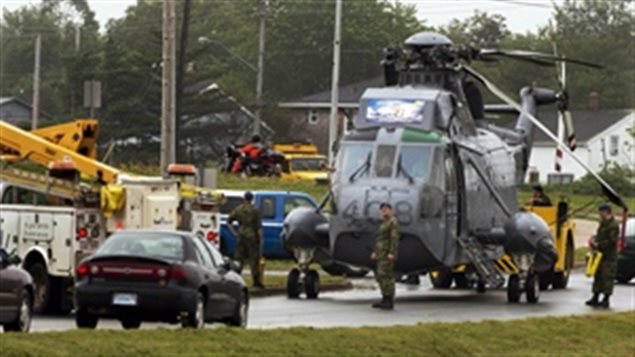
(231, 265)
(15, 260)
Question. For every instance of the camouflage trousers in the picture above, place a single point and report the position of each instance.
(248, 253)
(604, 277)
(385, 277)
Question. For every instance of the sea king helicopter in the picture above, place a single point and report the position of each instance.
(424, 144)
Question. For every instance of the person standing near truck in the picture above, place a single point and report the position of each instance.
(606, 243)
(249, 236)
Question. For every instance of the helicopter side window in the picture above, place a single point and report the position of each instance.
(355, 159)
(414, 161)
(384, 160)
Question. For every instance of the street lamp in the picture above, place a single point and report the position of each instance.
(258, 69)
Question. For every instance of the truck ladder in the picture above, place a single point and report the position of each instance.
(49, 185)
(484, 266)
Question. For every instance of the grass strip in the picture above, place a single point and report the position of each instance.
(602, 334)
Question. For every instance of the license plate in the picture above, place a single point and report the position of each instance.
(124, 299)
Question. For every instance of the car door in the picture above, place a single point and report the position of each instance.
(231, 287)
(271, 224)
(212, 280)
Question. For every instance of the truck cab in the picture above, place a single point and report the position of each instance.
(274, 207)
(302, 162)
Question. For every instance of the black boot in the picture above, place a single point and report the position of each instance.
(605, 301)
(594, 300)
(379, 304)
(387, 303)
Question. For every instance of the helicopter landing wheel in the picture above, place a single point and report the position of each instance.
(532, 288)
(481, 288)
(513, 289)
(312, 284)
(293, 284)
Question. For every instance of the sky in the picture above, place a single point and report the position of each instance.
(522, 15)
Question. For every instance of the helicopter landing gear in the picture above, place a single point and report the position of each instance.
(302, 277)
(525, 281)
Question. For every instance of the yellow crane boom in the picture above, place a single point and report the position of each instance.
(21, 144)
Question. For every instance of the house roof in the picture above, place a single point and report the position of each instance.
(20, 101)
(587, 123)
(349, 96)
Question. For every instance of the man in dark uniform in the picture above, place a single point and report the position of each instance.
(538, 197)
(606, 243)
(385, 254)
(248, 236)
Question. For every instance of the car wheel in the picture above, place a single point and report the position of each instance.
(130, 324)
(41, 287)
(293, 284)
(23, 322)
(532, 288)
(84, 319)
(196, 316)
(513, 289)
(441, 279)
(312, 284)
(242, 311)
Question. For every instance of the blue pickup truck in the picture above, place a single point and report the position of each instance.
(273, 206)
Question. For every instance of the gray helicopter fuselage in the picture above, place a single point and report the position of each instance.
(400, 153)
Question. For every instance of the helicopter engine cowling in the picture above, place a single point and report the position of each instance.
(527, 233)
(301, 229)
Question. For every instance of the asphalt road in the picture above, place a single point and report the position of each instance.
(413, 305)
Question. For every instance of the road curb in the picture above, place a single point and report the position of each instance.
(283, 291)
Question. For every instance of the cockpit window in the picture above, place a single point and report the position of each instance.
(414, 161)
(384, 160)
(355, 159)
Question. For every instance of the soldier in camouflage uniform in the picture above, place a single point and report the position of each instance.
(606, 243)
(248, 236)
(385, 254)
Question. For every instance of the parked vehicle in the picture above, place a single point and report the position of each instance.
(16, 294)
(274, 207)
(167, 276)
(626, 254)
(50, 237)
(303, 162)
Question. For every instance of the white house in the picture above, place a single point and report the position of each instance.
(602, 135)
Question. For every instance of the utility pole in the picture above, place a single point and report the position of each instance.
(78, 37)
(180, 74)
(261, 65)
(335, 82)
(168, 87)
(35, 110)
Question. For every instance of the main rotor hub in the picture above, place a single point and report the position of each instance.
(427, 39)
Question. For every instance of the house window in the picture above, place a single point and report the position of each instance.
(312, 116)
(614, 145)
(559, 179)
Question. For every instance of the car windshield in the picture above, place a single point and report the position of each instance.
(414, 161)
(307, 164)
(230, 204)
(144, 244)
(354, 157)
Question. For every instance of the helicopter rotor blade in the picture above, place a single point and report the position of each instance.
(607, 189)
(536, 57)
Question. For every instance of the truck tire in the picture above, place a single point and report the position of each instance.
(561, 279)
(42, 287)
